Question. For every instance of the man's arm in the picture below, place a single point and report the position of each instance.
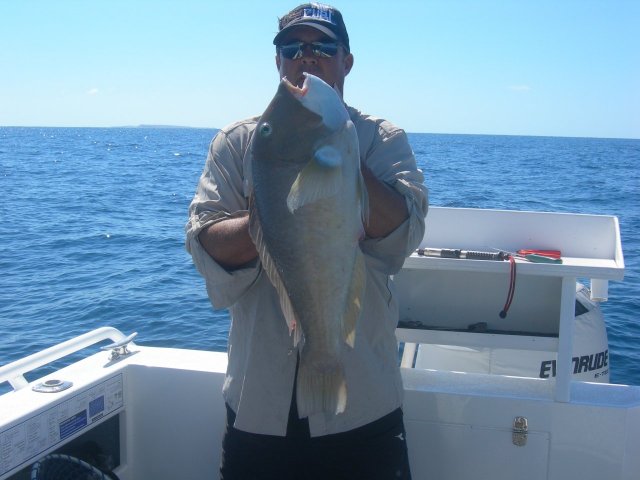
(387, 207)
(228, 242)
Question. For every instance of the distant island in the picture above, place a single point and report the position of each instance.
(144, 125)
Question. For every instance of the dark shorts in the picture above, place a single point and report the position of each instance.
(377, 451)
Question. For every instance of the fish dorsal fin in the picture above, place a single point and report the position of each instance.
(255, 230)
(356, 293)
(364, 199)
(320, 178)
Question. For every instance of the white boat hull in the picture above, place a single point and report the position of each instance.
(459, 426)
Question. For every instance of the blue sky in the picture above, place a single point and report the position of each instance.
(515, 67)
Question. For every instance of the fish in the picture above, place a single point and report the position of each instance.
(307, 209)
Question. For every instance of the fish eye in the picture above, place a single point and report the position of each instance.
(265, 129)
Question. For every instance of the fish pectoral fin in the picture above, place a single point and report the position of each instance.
(318, 179)
(328, 156)
(355, 299)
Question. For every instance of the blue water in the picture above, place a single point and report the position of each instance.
(92, 222)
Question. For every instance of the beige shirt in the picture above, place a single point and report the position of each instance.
(262, 360)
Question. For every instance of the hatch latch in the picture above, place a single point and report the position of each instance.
(519, 432)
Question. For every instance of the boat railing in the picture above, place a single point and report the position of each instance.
(14, 373)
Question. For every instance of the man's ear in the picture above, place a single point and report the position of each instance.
(348, 64)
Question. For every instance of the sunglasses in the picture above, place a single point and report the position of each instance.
(294, 50)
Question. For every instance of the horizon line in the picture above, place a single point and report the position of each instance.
(160, 126)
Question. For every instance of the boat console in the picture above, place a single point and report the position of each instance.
(457, 302)
(144, 412)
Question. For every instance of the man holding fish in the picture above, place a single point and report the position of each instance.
(299, 218)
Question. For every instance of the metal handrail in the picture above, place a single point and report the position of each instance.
(14, 371)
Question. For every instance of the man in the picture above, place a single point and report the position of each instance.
(264, 436)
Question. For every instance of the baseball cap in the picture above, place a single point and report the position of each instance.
(322, 17)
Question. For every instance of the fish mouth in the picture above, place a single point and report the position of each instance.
(296, 91)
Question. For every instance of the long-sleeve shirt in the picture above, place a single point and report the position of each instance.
(261, 357)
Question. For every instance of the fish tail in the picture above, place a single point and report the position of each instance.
(321, 389)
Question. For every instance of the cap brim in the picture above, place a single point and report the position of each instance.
(327, 31)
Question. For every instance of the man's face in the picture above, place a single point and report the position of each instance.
(330, 69)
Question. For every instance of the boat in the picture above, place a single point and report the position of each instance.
(144, 412)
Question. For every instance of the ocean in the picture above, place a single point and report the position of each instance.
(92, 226)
